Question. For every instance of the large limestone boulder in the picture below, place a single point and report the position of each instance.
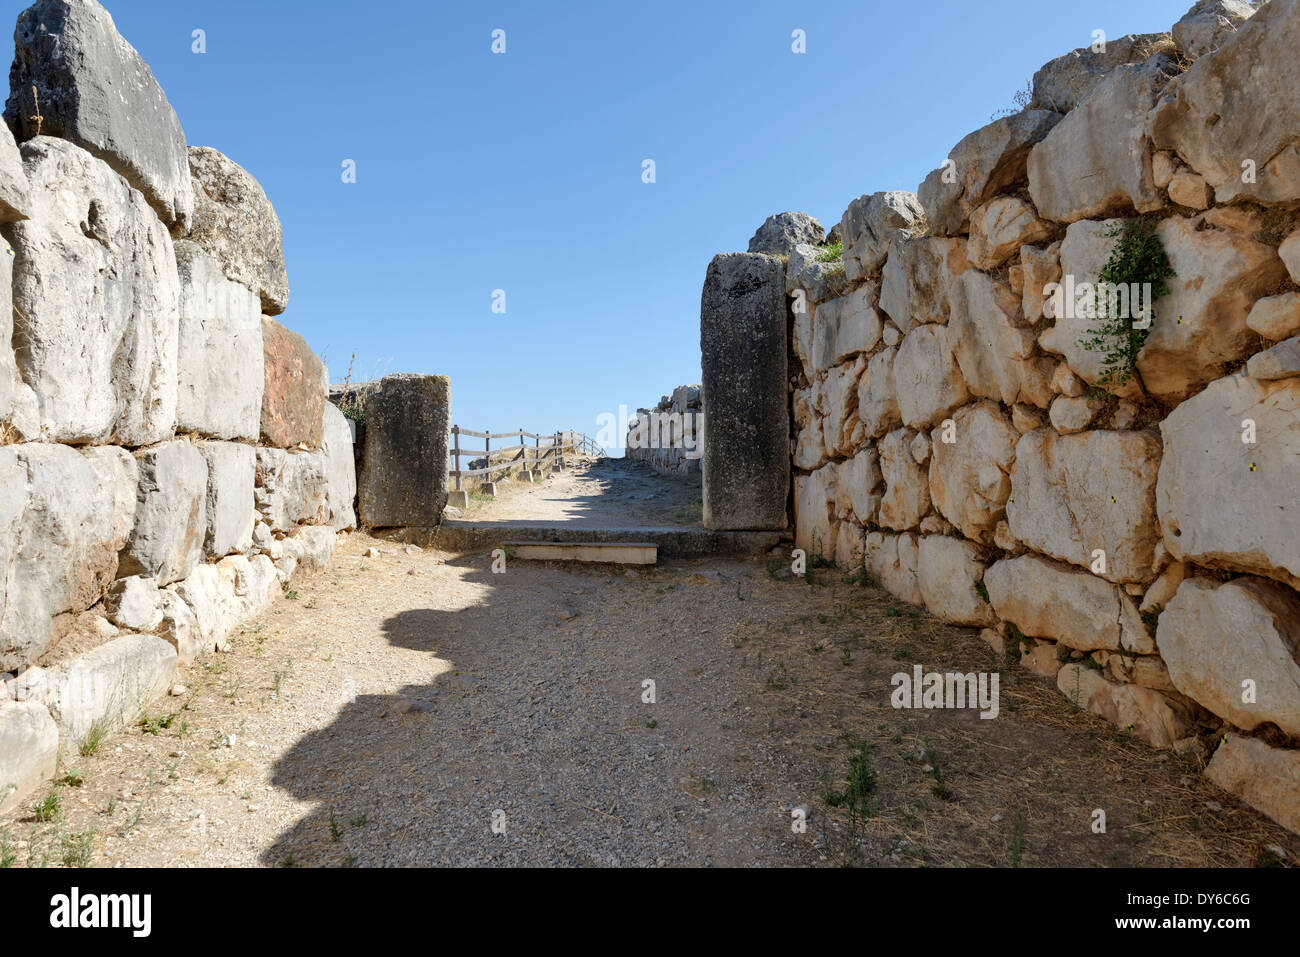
(1000, 227)
(907, 492)
(220, 598)
(1200, 327)
(29, 750)
(844, 328)
(134, 603)
(95, 284)
(1075, 608)
(63, 518)
(236, 223)
(1075, 495)
(18, 406)
(838, 403)
(986, 163)
(1064, 83)
(76, 78)
(781, 232)
(1239, 107)
(1235, 648)
(1266, 778)
(171, 516)
(228, 504)
(860, 485)
(814, 495)
(871, 223)
(929, 382)
(13, 181)
(969, 476)
(220, 376)
(1282, 361)
(917, 278)
(106, 688)
(992, 345)
(743, 354)
(1276, 317)
(1149, 715)
(403, 479)
(1097, 161)
(340, 470)
(1208, 25)
(292, 488)
(878, 409)
(293, 398)
(1227, 503)
(948, 571)
(892, 560)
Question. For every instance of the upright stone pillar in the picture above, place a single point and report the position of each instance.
(404, 463)
(743, 345)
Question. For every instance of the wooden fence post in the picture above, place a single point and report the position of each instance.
(455, 433)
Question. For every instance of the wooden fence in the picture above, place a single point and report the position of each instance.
(548, 451)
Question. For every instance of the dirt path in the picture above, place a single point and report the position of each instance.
(594, 493)
(380, 713)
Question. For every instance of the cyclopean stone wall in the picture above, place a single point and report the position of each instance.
(1141, 550)
(670, 437)
(167, 456)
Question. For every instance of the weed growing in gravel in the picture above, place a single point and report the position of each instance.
(157, 723)
(7, 855)
(49, 809)
(291, 594)
(1017, 841)
(855, 798)
(360, 820)
(76, 848)
(71, 779)
(335, 830)
(94, 738)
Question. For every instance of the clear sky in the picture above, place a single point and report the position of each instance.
(523, 171)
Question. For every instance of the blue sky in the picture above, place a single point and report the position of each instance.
(522, 171)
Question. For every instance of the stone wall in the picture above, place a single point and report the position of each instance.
(659, 436)
(167, 457)
(1140, 549)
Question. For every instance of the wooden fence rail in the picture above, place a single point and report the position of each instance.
(548, 449)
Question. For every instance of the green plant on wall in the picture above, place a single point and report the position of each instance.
(1137, 258)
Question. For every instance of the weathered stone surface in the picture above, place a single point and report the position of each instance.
(844, 328)
(878, 409)
(984, 164)
(1266, 778)
(62, 523)
(1225, 503)
(1217, 637)
(837, 398)
(1276, 317)
(403, 477)
(1149, 715)
(743, 354)
(1239, 105)
(861, 482)
(18, 406)
(969, 480)
(948, 569)
(907, 492)
(992, 346)
(228, 504)
(1067, 81)
(13, 181)
(170, 518)
(1072, 495)
(810, 449)
(76, 78)
(134, 603)
(1289, 250)
(892, 560)
(1208, 24)
(781, 232)
(1200, 327)
(813, 497)
(96, 286)
(179, 626)
(1071, 414)
(1084, 252)
(293, 401)
(236, 223)
(292, 488)
(929, 383)
(340, 469)
(1191, 190)
(1282, 361)
(311, 545)
(1164, 166)
(871, 223)
(220, 374)
(29, 750)
(1097, 161)
(106, 687)
(222, 597)
(917, 278)
(1000, 227)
